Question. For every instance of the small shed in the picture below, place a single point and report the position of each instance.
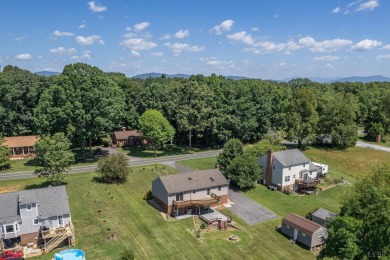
(321, 215)
(303, 231)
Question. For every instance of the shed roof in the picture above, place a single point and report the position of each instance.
(290, 157)
(126, 134)
(21, 141)
(302, 224)
(193, 180)
(323, 214)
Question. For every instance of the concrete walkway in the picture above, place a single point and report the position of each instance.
(372, 146)
(249, 210)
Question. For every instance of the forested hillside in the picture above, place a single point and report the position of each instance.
(86, 104)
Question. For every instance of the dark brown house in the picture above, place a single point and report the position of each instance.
(304, 231)
(127, 138)
(21, 146)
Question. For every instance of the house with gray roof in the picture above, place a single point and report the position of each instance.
(28, 216)
(288, 170)
(191, 192)
(321, 216)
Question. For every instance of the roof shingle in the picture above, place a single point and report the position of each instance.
(21, 141)
(290, 157)
(302, 224)
(120, 135)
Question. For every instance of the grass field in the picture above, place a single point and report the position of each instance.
(147, 151)
(134, 224)
(200, 164)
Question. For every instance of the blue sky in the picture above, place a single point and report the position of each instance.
(270, 39)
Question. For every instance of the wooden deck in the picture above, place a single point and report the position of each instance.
(213, 199)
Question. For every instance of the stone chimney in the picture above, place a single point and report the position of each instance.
(268, 170)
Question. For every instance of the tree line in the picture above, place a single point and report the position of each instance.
(86, 104)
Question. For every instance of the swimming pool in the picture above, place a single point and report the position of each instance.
(70, 254)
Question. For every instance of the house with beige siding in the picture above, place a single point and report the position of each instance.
(288, 170)
(39, 216)
(303, 231)
(190, 193)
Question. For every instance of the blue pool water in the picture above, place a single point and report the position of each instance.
(70, 254)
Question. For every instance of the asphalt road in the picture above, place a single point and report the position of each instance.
(372, 146)
(137, 162)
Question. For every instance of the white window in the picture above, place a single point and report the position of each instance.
(294, 176)
(2, 230)
(35, 221)
(29, 207)
(304, 165)
(287, 178)
(289, 168)
(320, 238)
(288, 227)
(273, 167)
(9, 229)
(303, 234)
(194, 191)
(310, 173)
(17, 227)
(219, 188)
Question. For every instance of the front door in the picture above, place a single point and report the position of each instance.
(60, 221)
(295, 234)
(305, 176)
(189, 210)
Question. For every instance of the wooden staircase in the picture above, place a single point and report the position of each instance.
(54, 242)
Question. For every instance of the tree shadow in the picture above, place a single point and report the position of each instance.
(32, 162)
(101, 180)
(43, 184)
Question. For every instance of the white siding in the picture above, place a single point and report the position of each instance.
(28, 217)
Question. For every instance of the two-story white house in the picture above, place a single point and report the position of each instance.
(288, 170)
(190, 193)
(26, 215)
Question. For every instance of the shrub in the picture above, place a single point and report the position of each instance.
(203, 225)
(197, 233)
(106, 142)
(148, 195)
(114, 168)
(127, 254)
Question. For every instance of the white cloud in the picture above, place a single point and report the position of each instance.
(365, 45)
(306, 41)
(23, 56)
(21, 38)
(57, 33)
(383, 56)
(141, 26)
(82, 26)
(219, 62)
(135, 53)
(330, 45)
(255, 29)
(368, 6)
(225, 26)
(96, 8)
(166, 37)
(158, 54)
(326, 58)
(241, 37)
(182, 34)
(88, 40)
(386, 47)
(62, 50)
(336, 10)
(328, 66)
(138, 44)
(85, 56)
(178, 48)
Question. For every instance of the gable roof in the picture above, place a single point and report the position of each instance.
(290, 157)
(9, 207)
(126, 134)
(51, 201)
(302, 224)
(21, 141)
(194, 180)
(323, 214)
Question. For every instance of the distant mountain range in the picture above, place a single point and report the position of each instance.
(47, 73)
(185, 76)
(375, 78)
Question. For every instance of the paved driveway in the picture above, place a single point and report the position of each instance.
(372, 146)
(249, 210)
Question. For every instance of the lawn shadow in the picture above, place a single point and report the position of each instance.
(101, 180)
(32, 162)
(235, 188)
(147, 151)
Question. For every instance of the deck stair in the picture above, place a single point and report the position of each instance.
(54, 242)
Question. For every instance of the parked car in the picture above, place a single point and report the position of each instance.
(12, 255)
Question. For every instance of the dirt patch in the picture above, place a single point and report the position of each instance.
(112, 237)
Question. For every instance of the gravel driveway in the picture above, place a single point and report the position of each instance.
(249, 210)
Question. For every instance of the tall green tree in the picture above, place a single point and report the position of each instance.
(361, 231)
(5, 161)
(155, 128)
(302, 117)
(193, 112)
(114, 168)
(243, 171)
(54, 157)
(231, 150)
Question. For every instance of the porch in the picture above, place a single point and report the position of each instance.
(195, 207)
(308, 183)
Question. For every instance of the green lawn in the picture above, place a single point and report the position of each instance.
(139, 227)
(147, 151)
(200, 164)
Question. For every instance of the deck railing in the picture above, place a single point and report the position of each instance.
(213, 199)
